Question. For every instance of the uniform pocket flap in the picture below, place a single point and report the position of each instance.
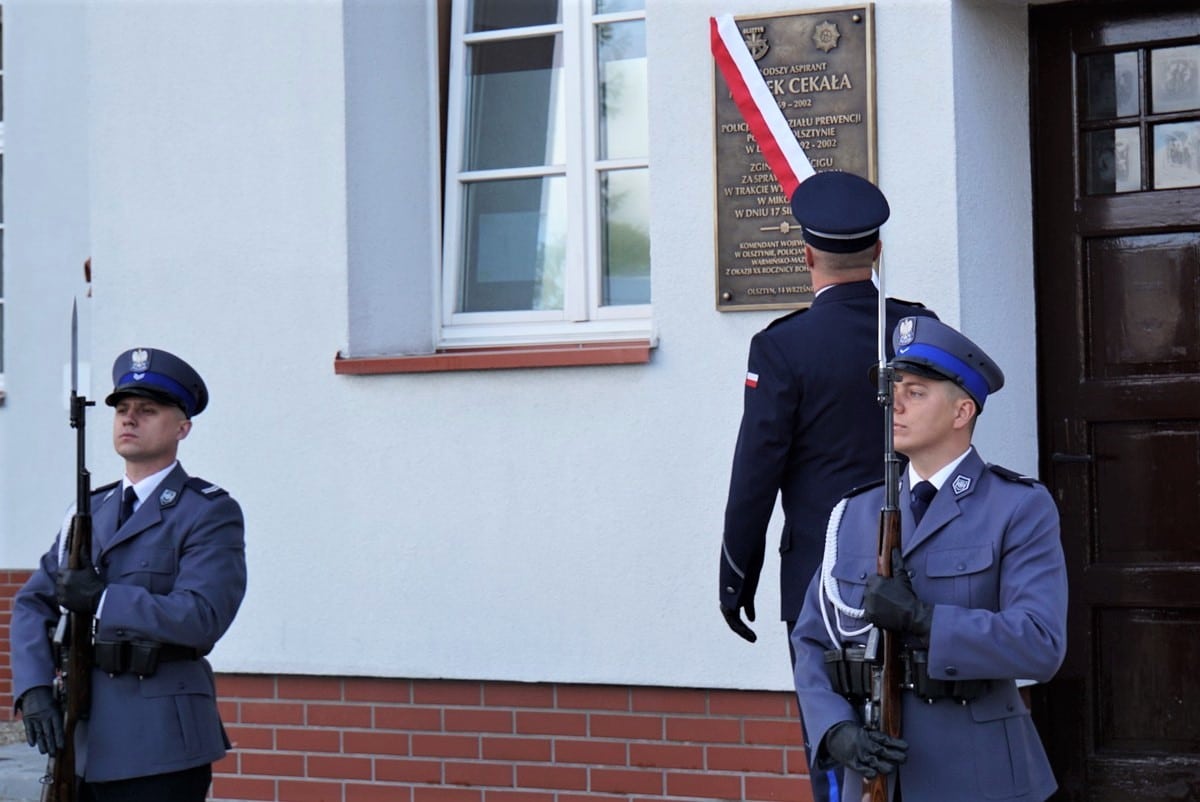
(854, 570)
(173, 679)
(1003, 702)
(151, 561)
(957, 562)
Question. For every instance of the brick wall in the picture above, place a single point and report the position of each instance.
(354, 739)
(369, 740)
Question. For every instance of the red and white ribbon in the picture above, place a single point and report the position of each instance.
(758, 106)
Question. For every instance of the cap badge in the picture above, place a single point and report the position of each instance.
(139, 360)
(167, 497)
(908, 330)
(961, 484)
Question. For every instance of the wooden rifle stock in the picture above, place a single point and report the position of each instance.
(73, 685)
(887, 676)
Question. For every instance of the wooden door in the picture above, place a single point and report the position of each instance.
(1116, 139)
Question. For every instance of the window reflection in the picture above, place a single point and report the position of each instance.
(625, 207)
(1175, 78)
(1110, 85)
(1177, 155)
(621, 95)
(1114, 161)
(495, 15)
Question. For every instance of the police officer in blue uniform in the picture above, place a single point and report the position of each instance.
(811, 427)
(167, 577)
(978, 597)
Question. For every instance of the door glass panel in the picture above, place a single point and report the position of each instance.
(515, 113)
(621, 94)
(1113, 161)
(1110, 82)
(1175, 78)
(515, 245)
(625, 206)
(1177, 155)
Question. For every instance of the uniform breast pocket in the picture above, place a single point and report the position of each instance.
(851, 573)
(960, 575)
(150, 568)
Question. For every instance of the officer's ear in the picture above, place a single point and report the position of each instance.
(185, 428)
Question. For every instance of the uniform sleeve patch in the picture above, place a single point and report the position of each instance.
(751, 379)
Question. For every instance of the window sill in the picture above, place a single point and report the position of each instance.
(499, 358)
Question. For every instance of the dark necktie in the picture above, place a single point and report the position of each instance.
(127, 502)
(922, 494)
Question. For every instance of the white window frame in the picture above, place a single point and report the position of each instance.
(583, 318)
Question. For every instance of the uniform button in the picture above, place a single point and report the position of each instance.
(729, 589)
(951, 671)
(147, 562)
(911, 573)
(121, 632)
(962, 566)
(863, 575)
(1011, 708)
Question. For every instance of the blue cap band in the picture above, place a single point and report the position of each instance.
(974, 383)
(164, 383)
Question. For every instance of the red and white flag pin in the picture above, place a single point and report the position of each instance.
(751, 379)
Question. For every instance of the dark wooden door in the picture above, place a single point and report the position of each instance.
(1116, 139)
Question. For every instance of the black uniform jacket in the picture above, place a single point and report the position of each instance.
(812, 428)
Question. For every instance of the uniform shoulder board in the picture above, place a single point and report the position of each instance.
(204, 487)
(864, 488)
(1012, 476)
(105, 488)
(913, 304)
(788, 316)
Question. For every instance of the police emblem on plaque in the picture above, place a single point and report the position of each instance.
(825, 36)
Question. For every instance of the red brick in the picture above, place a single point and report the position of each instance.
(603, 753)
(300, 791)
(750, 703)
(445, 692)
(498, 795)
(408, 771)
(788, 789)
(271, 713)
(708, 786)
(408, 718)
(375, 792)
(626, 781)
(592, 697)
(242, 788)
(512, 694)
(669, 700)
(558, 778)
(742, 759)
(329, 688)
(493, 774)
(251, 737)
(307, 740)
(670, 756)
(519, 749)
(394, 691)
(592, 798)
(227, 764)
(780, 733)
(551, 723)
(796, 762)
(244, 686)
(445, 746)
(704, 730)
(374, 742)
(339, 715)
(339, 768)
(477, 720)
(617, 726)
(230, 712)
(271, 764)
(443, 794)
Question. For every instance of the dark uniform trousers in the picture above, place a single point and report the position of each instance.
(189, 785)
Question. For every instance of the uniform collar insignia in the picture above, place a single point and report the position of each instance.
(167, 497)
(961, 484)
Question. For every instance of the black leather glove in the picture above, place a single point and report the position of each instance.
(43, 719)
(890, 602)
(868, 752)
(79, 589)
(733, 618)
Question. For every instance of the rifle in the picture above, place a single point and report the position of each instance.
(886, 674)
(73, 635)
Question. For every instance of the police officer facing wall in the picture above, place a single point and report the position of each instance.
(978, 597)
(167, 577)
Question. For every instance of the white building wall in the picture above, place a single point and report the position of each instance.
(534, 525)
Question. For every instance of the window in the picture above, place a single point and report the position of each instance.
(547, 175)
(1, 203)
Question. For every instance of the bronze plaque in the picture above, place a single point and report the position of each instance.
(820, 68)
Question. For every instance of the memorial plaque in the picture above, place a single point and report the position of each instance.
(820, 68)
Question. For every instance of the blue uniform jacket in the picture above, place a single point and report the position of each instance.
(987, 555)
(811, 430)
(176, 573)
